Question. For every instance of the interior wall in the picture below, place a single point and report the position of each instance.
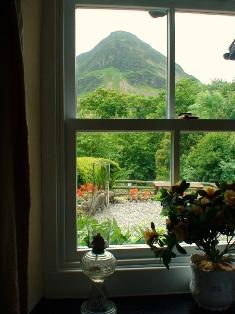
(31, 53)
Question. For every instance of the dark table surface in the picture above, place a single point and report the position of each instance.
(162, 304)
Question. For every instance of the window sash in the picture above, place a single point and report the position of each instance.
(129, 125)
(207, 6)
(62, 125)
(74, 125)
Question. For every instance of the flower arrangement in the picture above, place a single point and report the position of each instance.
(196, 217)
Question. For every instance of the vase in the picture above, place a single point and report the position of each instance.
(98, 265)
(213, 290)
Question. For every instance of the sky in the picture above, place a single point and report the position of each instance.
(201, 40)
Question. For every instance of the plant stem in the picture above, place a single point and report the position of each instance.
(228, 246)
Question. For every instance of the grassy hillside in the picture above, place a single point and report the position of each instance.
(124, 63)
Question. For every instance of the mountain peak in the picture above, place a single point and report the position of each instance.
(123, 62)
(122, 34)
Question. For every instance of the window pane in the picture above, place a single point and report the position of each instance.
(121, 65)
(139, 165)
(208, 157)
(208, 91)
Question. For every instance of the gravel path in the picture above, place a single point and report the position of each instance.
(130, 214)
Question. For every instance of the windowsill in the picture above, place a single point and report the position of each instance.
(162, 304)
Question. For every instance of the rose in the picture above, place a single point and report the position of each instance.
(229, 197)
(196, 209)
(150, 236)
(208, 193)
(210, 190)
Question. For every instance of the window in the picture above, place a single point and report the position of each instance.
(64, 125)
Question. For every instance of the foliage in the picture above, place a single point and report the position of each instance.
(103, 104)
(134, 152)
(209, 105)
(109, 229)
(137, 154)
(163, 158)
(146, 155)
(206, 161)
(186, 92)
(111, 104)
(195, 218)
(85, 169)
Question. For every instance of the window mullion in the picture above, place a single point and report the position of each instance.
(69, 59)
(175, 156)
(171, 63)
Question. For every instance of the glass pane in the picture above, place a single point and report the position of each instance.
(121, 65)
(207, 157)
(208, 90)
(139, 166)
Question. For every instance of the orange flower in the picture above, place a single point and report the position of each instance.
(134, 194)
(149, 235)
(146, 193)
(89, 187)
(83, 187)
(229, 197)
(80, 192)
(133, 191)
(210, 191)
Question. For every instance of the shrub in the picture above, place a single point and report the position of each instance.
(85, 169)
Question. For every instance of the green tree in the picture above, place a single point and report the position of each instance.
(216, 101)
(186, 92)
(138, 154)
(207, 160)
(107, 104)
(162, 158)
(103, 103)
(209, 105)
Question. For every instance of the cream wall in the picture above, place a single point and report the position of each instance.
(31, 23)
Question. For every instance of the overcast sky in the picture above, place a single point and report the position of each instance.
(201, 40)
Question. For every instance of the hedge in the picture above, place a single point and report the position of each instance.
(85, 169)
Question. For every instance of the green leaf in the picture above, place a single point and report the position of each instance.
(166, 258)
(180, 249)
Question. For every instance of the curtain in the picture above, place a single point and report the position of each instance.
(14, 166)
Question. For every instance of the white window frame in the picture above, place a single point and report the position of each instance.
(63, 277)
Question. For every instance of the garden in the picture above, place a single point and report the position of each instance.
(138, 159)
(120, 209)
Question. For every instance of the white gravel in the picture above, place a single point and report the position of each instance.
(131, 214)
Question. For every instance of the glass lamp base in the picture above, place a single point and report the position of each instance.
(106, 308)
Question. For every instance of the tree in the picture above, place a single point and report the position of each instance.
(162, 158)
(186, 92)
(217, 101)
(103, 104)
(138, 154)
(207, 160)
(209, 105)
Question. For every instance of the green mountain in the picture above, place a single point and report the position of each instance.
(124, 63)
